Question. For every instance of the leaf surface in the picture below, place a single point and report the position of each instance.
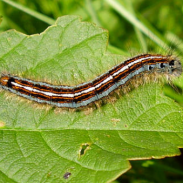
(45, 144)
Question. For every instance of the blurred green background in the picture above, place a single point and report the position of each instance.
(135, 27)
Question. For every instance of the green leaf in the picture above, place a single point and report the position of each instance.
(45, 144)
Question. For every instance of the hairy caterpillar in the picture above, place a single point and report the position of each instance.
(89, 92)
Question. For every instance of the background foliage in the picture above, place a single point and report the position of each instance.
(163, 24)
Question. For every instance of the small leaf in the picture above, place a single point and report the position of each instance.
(44, 144)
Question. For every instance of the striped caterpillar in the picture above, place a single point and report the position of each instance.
(86, 93)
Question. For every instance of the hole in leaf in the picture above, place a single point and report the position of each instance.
(84, 147)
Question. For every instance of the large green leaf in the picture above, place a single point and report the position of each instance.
(44, 144)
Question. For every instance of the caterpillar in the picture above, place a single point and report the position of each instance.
(86, 93)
